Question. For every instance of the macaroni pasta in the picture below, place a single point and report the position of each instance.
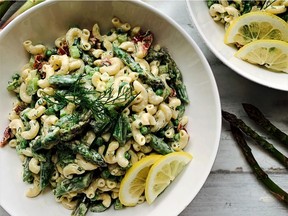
(87, 109)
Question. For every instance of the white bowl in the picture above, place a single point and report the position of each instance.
(51, 19)
(213, 35)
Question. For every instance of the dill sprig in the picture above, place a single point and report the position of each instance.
(106, 102)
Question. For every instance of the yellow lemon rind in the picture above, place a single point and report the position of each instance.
(258, 16)
(181, 156)
(243, 51)
(124, 196)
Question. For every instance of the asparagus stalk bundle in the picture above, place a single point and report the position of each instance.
(257, 116)
(27, 5)
(239, 128)
(4, 7)
(257, 170)
(236, 122)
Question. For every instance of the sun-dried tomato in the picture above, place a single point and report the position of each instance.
(146, 39)
(7, 135)
(38, 61)
(64, 49)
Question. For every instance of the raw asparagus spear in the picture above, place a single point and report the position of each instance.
(27, 5)
(257, 170)
(256, 115)
(232, 119)
(4, 7)
(159, 145)
(88, 154)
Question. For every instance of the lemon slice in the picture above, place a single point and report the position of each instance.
(272, 54)
(163, 172)
(254, 26)
(133, 184)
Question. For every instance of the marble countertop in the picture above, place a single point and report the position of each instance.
(231, 187)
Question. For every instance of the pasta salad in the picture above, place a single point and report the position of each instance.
(89, 108)
(225, 11)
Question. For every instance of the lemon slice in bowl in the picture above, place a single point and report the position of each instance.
(133, 184)
(163, 172)
(254, 26)
(272, 54)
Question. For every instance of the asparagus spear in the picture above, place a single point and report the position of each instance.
(65, 156)
(256, 115)
(75, 184)
(82, 207)
(63, 80)
(46, 170)
(121, 129)
(232, 119)
(257, 170)
(97, 207)
(88, 154)
(128, 60)
(27, 5)
(73, 124)
(118, 205)
(4, 7)
(169, 66)
(159, 145)
(14, 83)
(176, 77)
(27, 174)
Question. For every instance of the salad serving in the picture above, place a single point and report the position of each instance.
(258, 30)
(90, 108)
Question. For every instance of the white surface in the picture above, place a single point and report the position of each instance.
(213, 35)
(204, 112)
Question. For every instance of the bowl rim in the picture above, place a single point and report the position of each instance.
(222, 58)
(204, 61)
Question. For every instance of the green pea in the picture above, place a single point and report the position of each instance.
(159, 92)
(144, 130)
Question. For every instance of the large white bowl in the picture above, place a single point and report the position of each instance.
(213, 34)
(51, 19)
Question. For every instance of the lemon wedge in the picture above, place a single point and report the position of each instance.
(254, 26)
(272, 54)
(163, 172)
(133, 184)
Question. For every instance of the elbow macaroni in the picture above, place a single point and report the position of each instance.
(47, 124)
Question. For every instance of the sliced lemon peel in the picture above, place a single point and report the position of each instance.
(254, 26)
(163, 172)
(272, 54)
